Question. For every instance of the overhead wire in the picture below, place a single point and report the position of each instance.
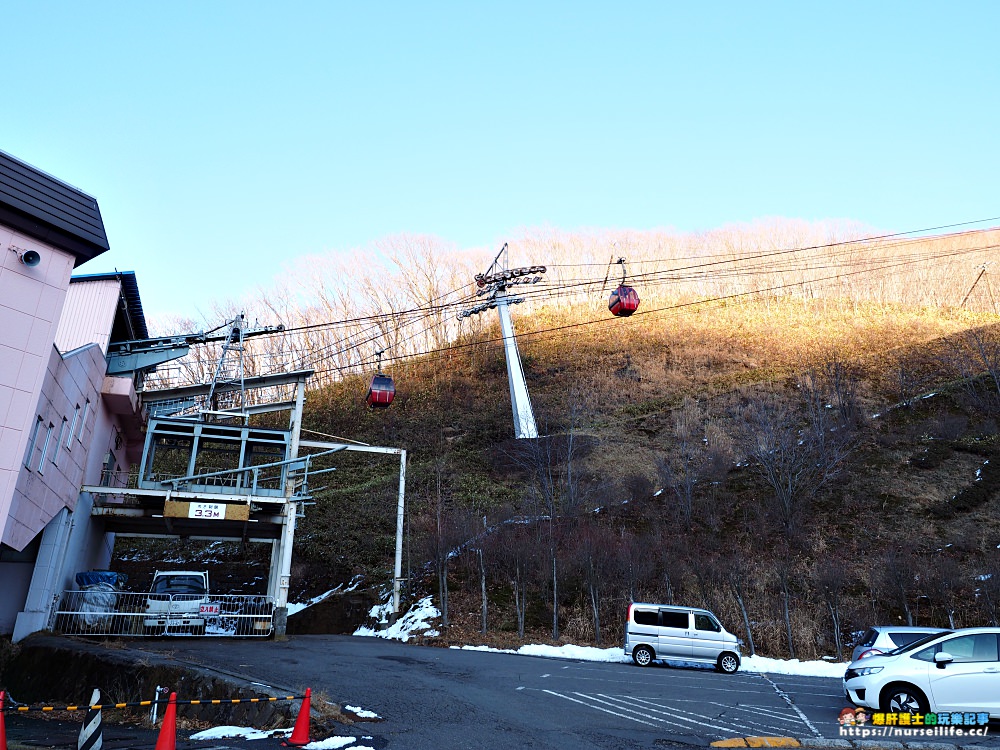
(760, 263)
(678, 307)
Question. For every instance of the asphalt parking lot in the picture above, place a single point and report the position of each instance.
(436, 698)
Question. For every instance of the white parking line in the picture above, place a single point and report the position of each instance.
(677, 714)
(761, 711)
(784, 696)
(654, 713)
(613, 713)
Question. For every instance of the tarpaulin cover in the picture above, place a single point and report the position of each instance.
(94, 577)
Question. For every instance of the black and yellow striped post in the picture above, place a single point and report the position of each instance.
(92, 734)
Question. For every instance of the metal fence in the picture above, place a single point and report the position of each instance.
(100, 611)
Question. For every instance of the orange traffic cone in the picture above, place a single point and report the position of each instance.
(3, 729)
(168, 729)
(300, 735)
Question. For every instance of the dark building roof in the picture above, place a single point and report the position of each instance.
(40, 206)
(130, 321)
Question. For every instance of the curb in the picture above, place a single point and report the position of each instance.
(817, 743)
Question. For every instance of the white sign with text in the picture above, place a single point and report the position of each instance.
(207, 510)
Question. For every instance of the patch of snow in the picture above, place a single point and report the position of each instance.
(357, 711)
(331, 743)
(294, 607)
(818, 668)
(408, 625)
(247, 733)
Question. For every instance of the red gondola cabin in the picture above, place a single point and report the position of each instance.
(381, 392)
(624, 301)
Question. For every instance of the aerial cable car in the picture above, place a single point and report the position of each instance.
(382, 390)
(624, 300)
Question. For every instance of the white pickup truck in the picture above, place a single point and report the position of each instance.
(178, 602)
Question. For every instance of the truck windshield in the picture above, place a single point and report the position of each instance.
(179, 585)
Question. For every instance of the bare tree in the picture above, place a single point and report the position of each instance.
(557, 488)
(796, 454)
(784, 575)
(976, 357)
(681, 470)
(831, 580)
(737, 574)
(518, 555)
(898, 576)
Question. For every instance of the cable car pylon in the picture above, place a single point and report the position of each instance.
(494, 284)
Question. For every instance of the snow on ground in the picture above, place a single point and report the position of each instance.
(294, 607)
(821, 668)
(247, 733)
(362, 713)
(417, 620)
(409, 625)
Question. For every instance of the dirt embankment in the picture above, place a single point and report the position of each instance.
(54, 670)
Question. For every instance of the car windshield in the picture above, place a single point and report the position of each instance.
(179, 585)
(917, 643)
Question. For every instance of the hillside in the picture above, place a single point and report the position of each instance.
(805, 464)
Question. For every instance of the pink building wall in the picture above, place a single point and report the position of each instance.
(58, 452)
(31, 301)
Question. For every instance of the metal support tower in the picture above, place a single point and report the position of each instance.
(520, 402)
(495, 285)
(230, 371)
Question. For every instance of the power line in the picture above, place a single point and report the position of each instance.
(676, 307)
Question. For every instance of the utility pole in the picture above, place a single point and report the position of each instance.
(494, 285)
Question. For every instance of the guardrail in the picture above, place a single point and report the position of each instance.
(99, 611)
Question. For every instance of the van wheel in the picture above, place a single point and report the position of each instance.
(643, 656)
(728, 663)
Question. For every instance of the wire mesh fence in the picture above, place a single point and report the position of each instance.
(104, 612)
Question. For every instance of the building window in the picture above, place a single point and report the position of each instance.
(60, 440)
(45, 448)
(72, 428)
(110, 470)
(32, 442)
(83, 419)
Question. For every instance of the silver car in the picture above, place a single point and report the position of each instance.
(950, 671)
(687, 634)
(883, 638)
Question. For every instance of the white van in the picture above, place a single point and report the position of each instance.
(659, 631)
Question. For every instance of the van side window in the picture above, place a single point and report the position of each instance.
(644, 617)
(673, 619)
(704, 622)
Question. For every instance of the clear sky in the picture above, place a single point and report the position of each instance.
(223, 139)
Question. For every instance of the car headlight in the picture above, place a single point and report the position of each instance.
(861, 672)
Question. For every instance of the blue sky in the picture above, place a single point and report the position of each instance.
(223, 139)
